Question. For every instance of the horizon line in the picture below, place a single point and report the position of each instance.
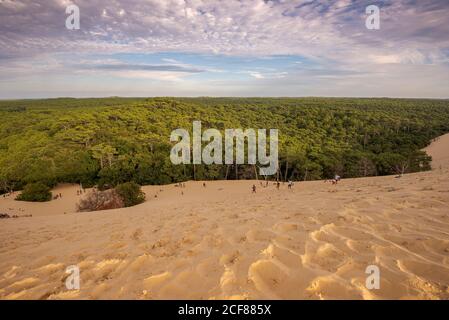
(223, 97)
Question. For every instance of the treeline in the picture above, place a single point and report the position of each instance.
(110, 141)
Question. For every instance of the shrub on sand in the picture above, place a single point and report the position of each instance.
(35, 192)
(124, 195)
(100, 200)
(131, 193)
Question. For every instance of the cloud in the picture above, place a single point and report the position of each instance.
(308, 28)
(172, 72)
(267, 75)
(328, 33)
(140, 67)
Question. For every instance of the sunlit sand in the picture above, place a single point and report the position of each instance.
(224, 242)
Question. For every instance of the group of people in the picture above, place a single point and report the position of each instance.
(79, 192)
(277, 183)
(11, 193)
(57, 196)
(334, 181)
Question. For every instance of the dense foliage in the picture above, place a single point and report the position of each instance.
(131, 193)
(115, 140)
(35, 192)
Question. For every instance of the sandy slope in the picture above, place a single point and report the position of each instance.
(222, 241)
(439, 150)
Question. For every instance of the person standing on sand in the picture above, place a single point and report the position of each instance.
(336, 179)
(254, 188)
(278, 185)
(290, 184)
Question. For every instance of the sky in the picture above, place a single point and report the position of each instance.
(281, 48)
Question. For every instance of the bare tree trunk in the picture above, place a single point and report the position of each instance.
(400, 169)
(286, 171)
(365, 141)
(293, 174)
(365, 167)
(255, 172)
(194, 172)
(227, 171)
(236, 171)
(404, 167)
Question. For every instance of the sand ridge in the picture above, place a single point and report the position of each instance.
(223, 242)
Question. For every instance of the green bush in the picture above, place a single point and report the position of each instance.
(35, 192)
(130, 193)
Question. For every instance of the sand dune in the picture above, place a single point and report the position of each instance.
(223, 242)
(439, 150)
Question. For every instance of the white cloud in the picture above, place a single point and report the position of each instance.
(330, 33)
(312, 29)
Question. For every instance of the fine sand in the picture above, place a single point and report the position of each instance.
(223, 242)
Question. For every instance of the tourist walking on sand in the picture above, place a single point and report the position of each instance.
(254, 188)
(337, 178)
(290, 184)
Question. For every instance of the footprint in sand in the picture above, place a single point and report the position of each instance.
(229, 258)
(286, 227)
(259, 235)
(137, 234)
(328, 257)
(279, 274)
